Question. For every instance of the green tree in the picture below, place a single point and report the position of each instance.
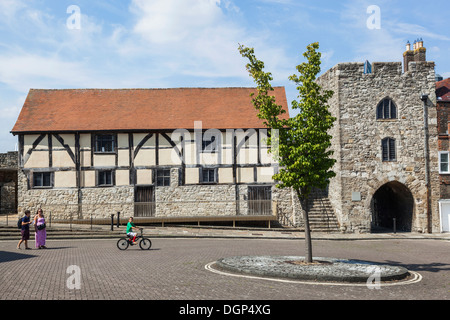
(303, 141)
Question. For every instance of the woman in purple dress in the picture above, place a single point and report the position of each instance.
(41, 232)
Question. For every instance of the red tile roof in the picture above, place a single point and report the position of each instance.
(140, 109)
(443, 90)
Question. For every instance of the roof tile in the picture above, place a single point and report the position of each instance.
(71, 110)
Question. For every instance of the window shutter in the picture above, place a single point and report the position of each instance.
(380, 111)
(386, 109)
(393, 110)
(384, 147)
(392, 150)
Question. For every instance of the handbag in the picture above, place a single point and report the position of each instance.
(41, 226)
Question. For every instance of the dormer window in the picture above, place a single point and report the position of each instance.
(386, 109)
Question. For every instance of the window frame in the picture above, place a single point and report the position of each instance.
(164, 177)
(113, 142)
(105, 185)
(448, 162)
(39, 173)
(391, 109)
(209, 170)
(389, 140)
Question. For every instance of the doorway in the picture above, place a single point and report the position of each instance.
(260, 200)
(144, 205)
(392, 205)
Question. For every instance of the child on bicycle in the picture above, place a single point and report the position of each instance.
(130, 227)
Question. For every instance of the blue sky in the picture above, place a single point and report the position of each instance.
(193, 43)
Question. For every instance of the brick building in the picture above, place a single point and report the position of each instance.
(443, 113)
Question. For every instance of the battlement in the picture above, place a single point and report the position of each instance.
(379, 69)
(9, 160)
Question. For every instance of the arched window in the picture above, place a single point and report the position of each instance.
(387, 109)
(388, 149)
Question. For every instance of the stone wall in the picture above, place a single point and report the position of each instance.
(219, 200)
(173, 201)
(69, 203)
(8, 182)
(9, 160)
(358, 135)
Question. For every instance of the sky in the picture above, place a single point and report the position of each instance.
(48, 44)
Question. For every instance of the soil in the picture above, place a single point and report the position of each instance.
(304, 263)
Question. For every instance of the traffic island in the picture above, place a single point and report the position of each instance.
(321, 270)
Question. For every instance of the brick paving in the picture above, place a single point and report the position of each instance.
(174, 269)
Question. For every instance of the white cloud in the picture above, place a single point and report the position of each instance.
(199, 38)
(9, 8)
(169, 21)
(23, 71)
(417, 30)
(194, 37)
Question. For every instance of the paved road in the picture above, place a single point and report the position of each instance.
(174, 269)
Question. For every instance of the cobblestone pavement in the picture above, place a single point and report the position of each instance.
(174, 269)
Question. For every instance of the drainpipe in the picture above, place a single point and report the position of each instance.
(78, 173)
(424, 98)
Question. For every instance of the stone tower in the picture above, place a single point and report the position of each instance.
(379, 144)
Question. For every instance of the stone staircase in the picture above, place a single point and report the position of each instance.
(321, 213)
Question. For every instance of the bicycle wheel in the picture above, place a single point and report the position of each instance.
(145, 244)
(122, 244)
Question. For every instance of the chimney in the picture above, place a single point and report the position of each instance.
(420, 53)
(408, 56)
(417, 54)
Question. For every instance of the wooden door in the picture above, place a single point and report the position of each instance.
(260, 200)
(144, 205)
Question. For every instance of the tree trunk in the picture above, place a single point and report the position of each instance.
(304, 198)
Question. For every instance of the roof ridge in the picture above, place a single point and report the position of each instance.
(117, 89)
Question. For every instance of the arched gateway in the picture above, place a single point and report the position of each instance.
(392, 201)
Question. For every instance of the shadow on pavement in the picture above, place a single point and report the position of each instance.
(12, 256)
(430, 267)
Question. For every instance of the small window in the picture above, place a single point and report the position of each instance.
(209, 175)
(388, 149)
(444, 162)
(163, 177)
(105, 143)
(386, 109)
(209, 145)
(42, 179)
(105, 178)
